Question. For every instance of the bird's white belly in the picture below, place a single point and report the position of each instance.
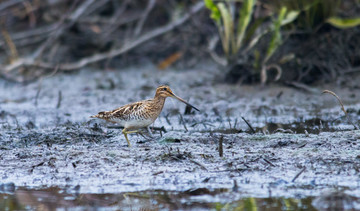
(135, 123)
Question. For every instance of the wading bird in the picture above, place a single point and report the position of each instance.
(140, 114)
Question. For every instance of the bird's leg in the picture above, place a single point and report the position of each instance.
(150, 132)
(125, 132)
(133, 131)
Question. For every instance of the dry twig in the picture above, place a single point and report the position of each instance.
(333, 94)
(221, 150)
(267, 161)
(149, 7)
(39, 33)
(7, 4)
(248, 124)
(342, 107)
(298, 174)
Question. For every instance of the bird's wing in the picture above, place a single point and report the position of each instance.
(128, 111)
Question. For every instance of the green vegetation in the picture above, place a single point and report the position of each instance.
(233, 39)
(314, 13)
(343, 23)
(240, 31)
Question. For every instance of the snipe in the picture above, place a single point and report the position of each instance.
(140, 114)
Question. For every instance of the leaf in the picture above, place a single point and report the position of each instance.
(228, 26)
(253, 27)
(244, 20)
(256, 59)
(169, 60)
(344, 23)
(95, 28)
(215, 13)
(290, 17)
(255, 40)
(276, 38)
(286, 58)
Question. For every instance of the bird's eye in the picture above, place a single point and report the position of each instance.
(164, 89)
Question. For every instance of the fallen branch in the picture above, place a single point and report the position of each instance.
(351, 70)
(7, 4)
(101, 56)
(116, 21)
(150, 35)
(32, 60)
(62, 27)
(149, 7)
(31, 34)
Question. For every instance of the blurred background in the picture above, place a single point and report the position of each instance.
(252, 41)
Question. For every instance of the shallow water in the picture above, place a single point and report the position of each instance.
(54, 198)
(197, 199)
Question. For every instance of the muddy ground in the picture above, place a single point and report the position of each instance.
(303, 145)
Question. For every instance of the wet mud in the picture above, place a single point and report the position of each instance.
(303, 152)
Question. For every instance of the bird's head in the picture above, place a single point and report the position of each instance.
(165, 91)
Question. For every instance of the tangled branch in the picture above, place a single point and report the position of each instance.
(34, 61)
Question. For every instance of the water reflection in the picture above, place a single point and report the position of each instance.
(59, 199)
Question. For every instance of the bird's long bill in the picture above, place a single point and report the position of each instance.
(180, 99)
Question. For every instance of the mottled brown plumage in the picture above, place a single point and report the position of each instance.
(139, 114)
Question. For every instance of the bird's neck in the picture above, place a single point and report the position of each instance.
(158, 104)
(159, 100)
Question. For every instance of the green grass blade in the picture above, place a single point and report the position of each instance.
(228, 26)
(215, 13)
(344, 23)
(290, 17)
(276, 38)
(244, 20)
(250, 32)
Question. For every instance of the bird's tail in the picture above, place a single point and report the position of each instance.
(101, 115)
